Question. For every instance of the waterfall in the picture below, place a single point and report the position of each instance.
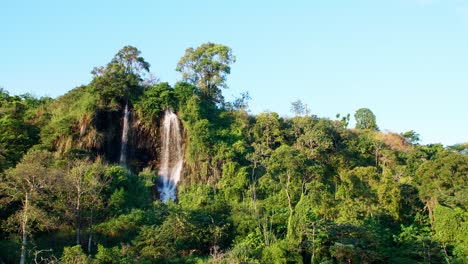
(171, 156)
(125, 129)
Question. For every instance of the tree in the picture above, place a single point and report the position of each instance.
(411, 137)
(298, 108)
(320, 139)
(451, 228)
(365, 119)
(28, 182)
(267, 130)
(17, 135)
(207, 67)
(443, 181)
(288, 167)
(357, 194)
(129, 57)
(121, 79)
(74, 255)
(344, 119)
(462, 148)
(242, 103)
(154, 100)
(83, 184)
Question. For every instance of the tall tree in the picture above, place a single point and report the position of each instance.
(129, 57)
(17, 135)
(443, 180)
(207, 67)
(288, 167)
(298, 108)
(121, 79)
(81, 182)
(365, 119)
(411, 137)
(27, 183)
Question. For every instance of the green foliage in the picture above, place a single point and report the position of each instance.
(207, 67)
(411, 137)
(451, 229)
(154, 101)
(357, 192)
(123, 227)
(74, 255)
(114, 255)
(254, 188)
(415, 245)
(319, 140)
(444, 179)
(280, 252)
(233, 182)
(248, 249)
(18, 129)
(462, 148)
(298, 108)
(354, 243)
(129, 57)
(365, 119)
(184, 92)
(121, 80)
(70, 124)
(267, 130)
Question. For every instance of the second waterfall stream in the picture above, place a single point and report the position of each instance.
(172, 156)
(125, 130)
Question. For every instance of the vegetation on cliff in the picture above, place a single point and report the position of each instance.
(255, 188)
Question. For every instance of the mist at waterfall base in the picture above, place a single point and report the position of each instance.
(171, 156)
(125, 129)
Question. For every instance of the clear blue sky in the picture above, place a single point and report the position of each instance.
(406, 60)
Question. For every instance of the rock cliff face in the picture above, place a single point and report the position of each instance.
(108, 125)
(80, 126)
(144, 144)
(143, 141)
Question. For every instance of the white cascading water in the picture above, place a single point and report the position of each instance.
(125, 130)
(171, 156)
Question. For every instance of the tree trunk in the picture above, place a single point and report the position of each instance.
(431, 204)
(254, 180)
(90, 240)
(24, 230)
(77, 214)
(288, 194)
(313, 244)
(291, 210)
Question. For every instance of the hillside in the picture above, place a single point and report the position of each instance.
(127, 169)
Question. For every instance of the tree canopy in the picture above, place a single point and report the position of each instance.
(207, 67)
(365, 119)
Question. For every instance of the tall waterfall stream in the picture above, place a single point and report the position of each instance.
(171, 156)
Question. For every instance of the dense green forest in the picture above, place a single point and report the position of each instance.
(253, 189)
